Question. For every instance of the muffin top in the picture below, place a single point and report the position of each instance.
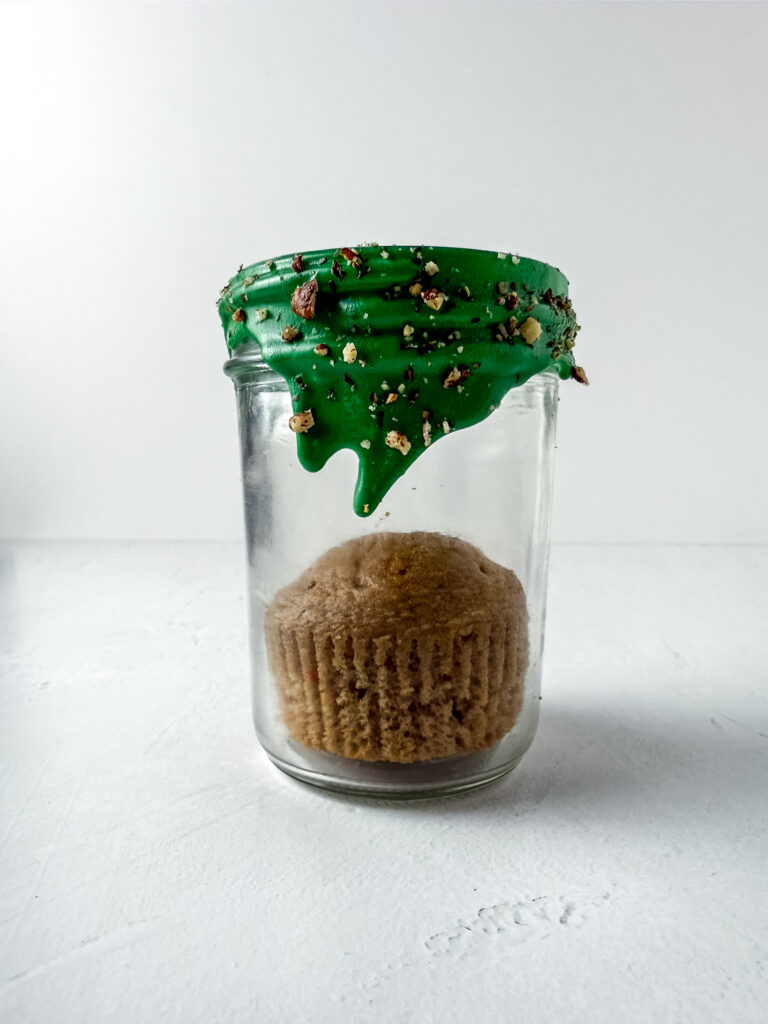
(386, 350)
(398, 582)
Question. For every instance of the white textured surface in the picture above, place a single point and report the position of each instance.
(154, 866)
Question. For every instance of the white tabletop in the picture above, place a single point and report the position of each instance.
(155, 867)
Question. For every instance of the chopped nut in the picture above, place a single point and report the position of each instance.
(446, 427)
(501, 255)
(392, 397)
(302, 422)
(503, 331)
(431, 268)
(426, 433)
(384, 254)
(321, 349)
(239, 316)
(260, 314)
(503, 287)
(349, 352)
(515, 260)
(289, 334)
(512, 325)
(298, 263)
(530, 330)
(352, 256)
(407, 331)
(304, 298)
(455, 376)
(366, 508)
(460, 349)
(365, 443)
(415, 289)
(434, 298)
(467, 291)
(577, 372)
(336, 270)
(395, 439)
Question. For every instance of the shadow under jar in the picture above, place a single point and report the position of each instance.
(396, 645)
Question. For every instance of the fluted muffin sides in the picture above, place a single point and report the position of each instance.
(400, 647)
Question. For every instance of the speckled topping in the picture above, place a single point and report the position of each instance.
(386, 349)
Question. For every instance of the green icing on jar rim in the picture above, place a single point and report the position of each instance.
(387, 349)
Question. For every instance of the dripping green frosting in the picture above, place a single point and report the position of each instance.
(387, 349)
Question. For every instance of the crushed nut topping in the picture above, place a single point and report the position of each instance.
(455, 376)
(577, 372)
(515, 259)
(336, 270)
(384, 254)
(392, 397)
(365, 443)
(289, 334)
(349, 352)
(298, 263)
(400, 442)
(407, 331)
(260, 314)
(321, 349)
(530, 330)
(352, 256)
(415, 289)
(431, 268)
(426, 433)
(304, 298)
(239, 316)
(302, 422)
(512, 324)
(434, 298)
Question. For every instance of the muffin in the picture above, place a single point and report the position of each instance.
(400, 647)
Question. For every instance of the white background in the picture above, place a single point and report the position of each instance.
(150, 149)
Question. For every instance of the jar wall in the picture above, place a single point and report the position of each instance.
(489, 485)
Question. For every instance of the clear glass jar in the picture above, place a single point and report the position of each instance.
(489, 485)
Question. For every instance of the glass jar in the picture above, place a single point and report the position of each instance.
(371, 721)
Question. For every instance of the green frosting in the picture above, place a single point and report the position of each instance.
(377, 366)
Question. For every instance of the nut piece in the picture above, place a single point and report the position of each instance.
(289, 334)
(298, 263)
(431, 268)
(426, 433)
(239, 316)
(349, 352)
(304, 298)
(530, 330)
(434, 298)
(577, 372)
(321, 349)
(415, 289)
(395, 439)
(392, 397)
(352, 256)
(455, 376)
(302, 422)
(407, 331)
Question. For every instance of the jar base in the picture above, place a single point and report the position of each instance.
(407, 788)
